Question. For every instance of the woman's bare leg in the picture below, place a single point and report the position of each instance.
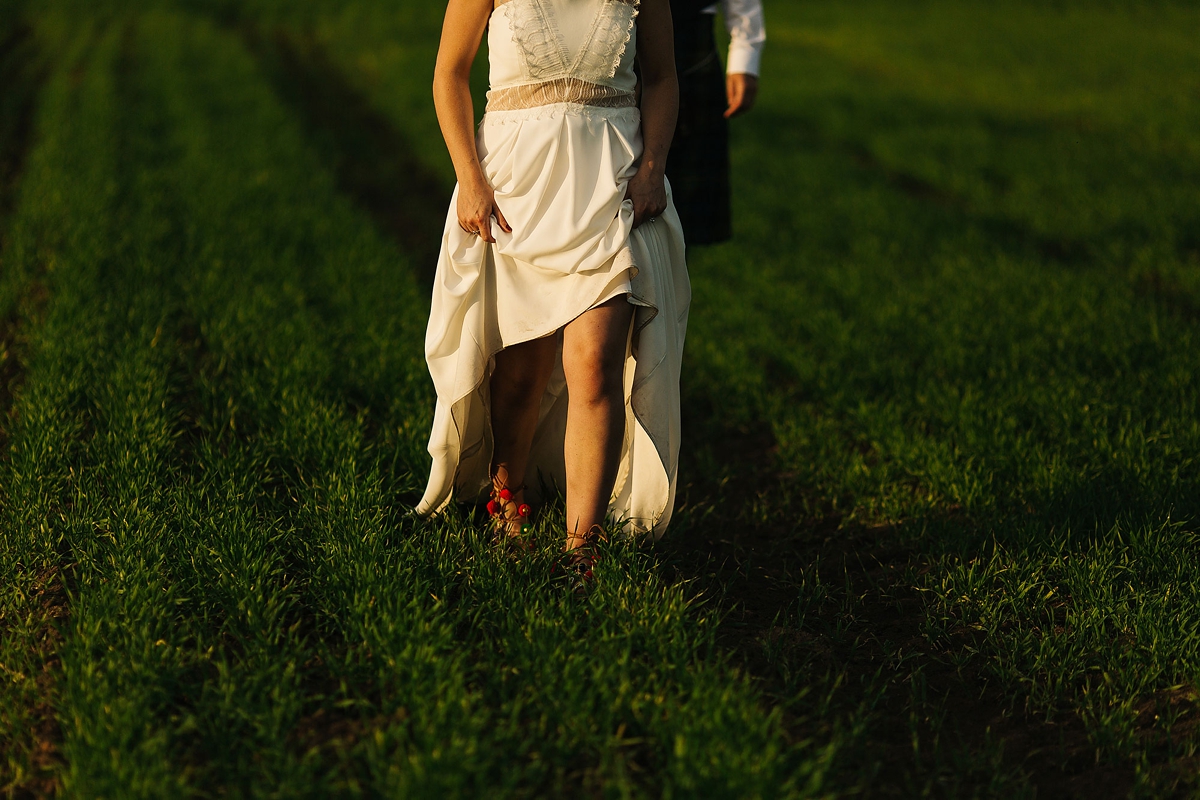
(518, 383)
(594, 364)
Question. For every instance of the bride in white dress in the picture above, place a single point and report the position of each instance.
(561, 297)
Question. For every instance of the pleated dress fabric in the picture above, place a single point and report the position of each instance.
(559, 141)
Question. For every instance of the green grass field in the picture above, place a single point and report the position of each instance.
(939, 523)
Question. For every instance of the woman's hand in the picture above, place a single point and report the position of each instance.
(462, 32)
(476, 207)
(648, 191)
(660, 107)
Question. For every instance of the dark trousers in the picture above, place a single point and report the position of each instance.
(698, 164)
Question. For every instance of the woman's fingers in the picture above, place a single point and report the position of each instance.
(480, 226)
(649, 196)
(645, 210)
(476, 207)
(485, 230)
(504, 226)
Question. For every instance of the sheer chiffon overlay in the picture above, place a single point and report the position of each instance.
(559, 143)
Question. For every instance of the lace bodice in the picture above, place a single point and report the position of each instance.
(544, 52)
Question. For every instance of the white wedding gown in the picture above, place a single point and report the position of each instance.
(560, 140)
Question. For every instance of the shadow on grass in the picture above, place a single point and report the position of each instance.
(812, 593)
(367, 154)
(818, 604)
(951, 209)
(22, 75)
(1168, 291)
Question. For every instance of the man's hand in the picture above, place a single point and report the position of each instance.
(741, 89)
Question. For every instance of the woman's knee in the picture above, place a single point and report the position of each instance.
(525, 367)
(592, 370)
(520, 383)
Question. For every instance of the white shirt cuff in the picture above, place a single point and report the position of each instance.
(743, 58)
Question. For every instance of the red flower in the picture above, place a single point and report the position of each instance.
(493, 509)
(505, 495)
(524, 510)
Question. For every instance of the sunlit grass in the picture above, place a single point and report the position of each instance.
(953, 352)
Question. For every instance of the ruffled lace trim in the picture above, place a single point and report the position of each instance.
(601, 55)
(562, 90)
(543, 54)
(536, 36)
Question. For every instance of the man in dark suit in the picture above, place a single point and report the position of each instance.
(698, 166)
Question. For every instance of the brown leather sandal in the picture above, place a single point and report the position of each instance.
(579, 564)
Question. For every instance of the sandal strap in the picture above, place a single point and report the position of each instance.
(514, 489)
